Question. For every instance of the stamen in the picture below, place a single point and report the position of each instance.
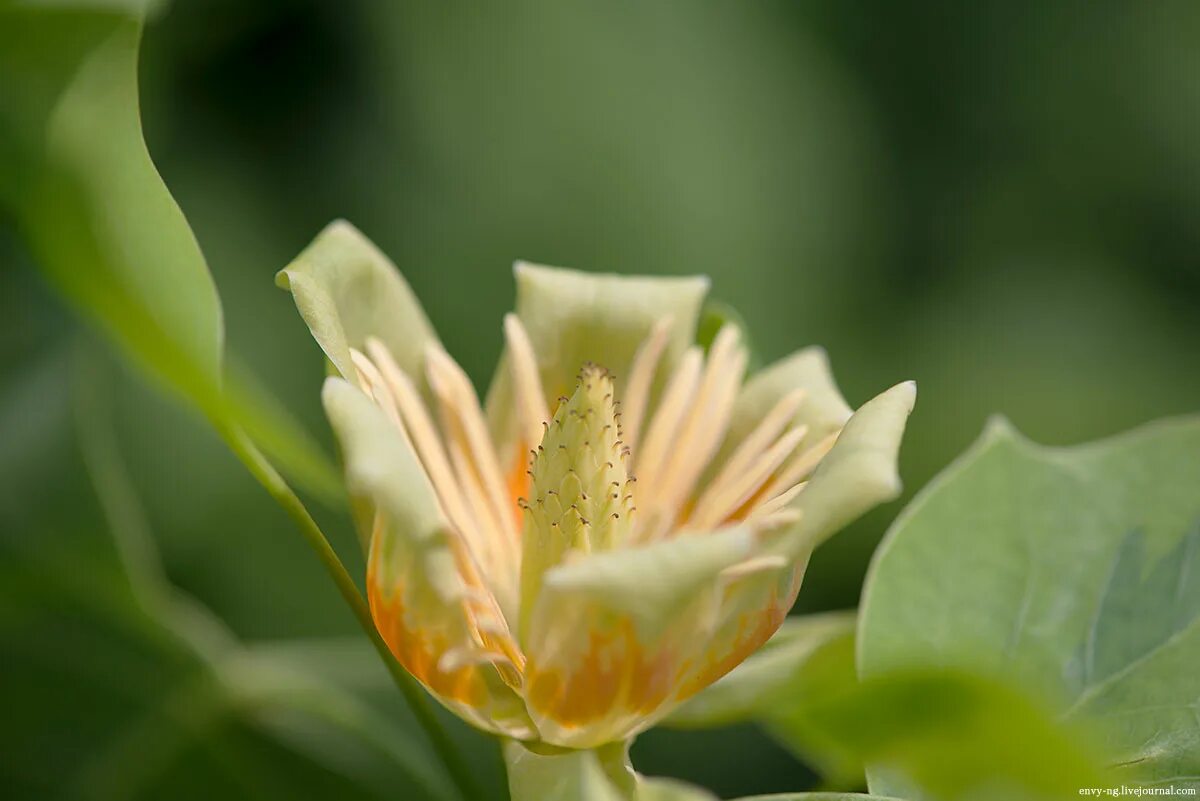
(758, 564)
(373, 383)
(493, 569)
(784, 517)
(706, 421)
(716, 505)
(527, 384)
(428, 444)
(667, 419)
(801, 465)
(757, 441)
(465, 419)
(641, 376)
(776, 503)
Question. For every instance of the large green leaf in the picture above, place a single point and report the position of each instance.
(84, 195)
(87, 198)
(1074, 571)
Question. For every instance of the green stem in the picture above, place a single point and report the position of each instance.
(277, 487)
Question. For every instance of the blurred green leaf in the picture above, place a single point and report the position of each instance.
(1071, 570)
(827, 672)
(949, 735)
(101, 223)
(88, 200)
(118, 686)
(945, 735)
(271, 425)
(282, 690)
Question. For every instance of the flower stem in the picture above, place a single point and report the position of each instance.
(266, 475)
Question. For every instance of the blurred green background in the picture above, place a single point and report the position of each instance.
(1000, 200)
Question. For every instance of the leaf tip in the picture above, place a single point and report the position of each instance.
(998, 428)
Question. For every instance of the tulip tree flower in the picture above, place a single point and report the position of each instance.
(625, 520)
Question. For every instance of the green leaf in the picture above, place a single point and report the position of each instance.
(949, 735)
(118, 686)
(88, 200)
(801, 687)
(1073, 570)
(101, 224)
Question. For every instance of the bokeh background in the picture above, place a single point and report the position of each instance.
(1000, 200)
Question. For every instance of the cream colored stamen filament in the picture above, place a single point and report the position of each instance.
(801, 465)
(772, 505)
(467, 432)
(373, 383)
(477, 473)
(758, 440)
(701, 430)
(717, 505)
(497, 566)
(527, 384)
(641, 376)
(660, 435)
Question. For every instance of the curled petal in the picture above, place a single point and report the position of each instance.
(348, 291)
(858, 473)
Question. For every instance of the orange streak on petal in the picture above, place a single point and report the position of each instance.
(753, 629)
(419, 651)
(518, 480)
(614, 675)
